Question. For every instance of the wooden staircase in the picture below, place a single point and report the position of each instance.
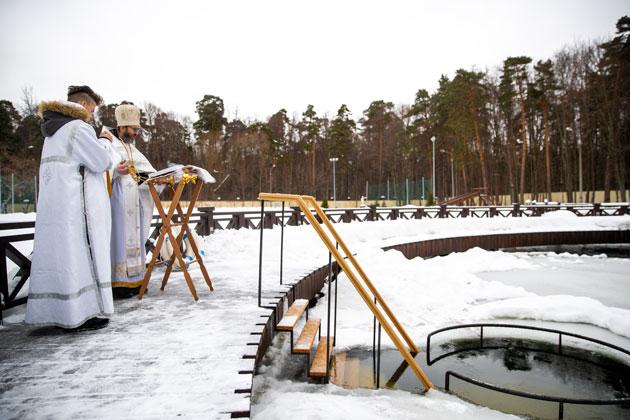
(346, 261)
(306, 340)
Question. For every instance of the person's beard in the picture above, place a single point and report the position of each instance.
(127, 138)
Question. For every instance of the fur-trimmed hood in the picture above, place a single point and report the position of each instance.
(56, 114)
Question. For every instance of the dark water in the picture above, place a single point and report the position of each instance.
(524, 365)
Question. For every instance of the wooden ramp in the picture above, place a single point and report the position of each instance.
(462, 199)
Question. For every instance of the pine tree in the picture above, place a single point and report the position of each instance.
(9, 122)
(209, 130)
(516, 67)
(615, 71)
(310, 128)
(376, 121)
(544, 90)
(340, 133)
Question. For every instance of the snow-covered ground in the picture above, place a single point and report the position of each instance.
(426, 294)
(167, 356)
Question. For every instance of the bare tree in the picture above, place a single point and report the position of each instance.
(28, 103)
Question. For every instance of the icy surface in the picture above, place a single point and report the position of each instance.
(596, 276)
(167, 356)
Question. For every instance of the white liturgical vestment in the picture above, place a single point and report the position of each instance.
(70, 278)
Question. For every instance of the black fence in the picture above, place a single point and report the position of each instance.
(209, 219)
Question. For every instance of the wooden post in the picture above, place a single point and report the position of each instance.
(372, 215)
(516, 210)
(443, 211)
(206, 225)
(296, 217)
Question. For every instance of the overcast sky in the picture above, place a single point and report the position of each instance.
(260, 56)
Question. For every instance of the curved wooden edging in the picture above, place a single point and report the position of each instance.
(312, 283)
(444, 246)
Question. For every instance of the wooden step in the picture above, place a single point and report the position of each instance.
(307, 336)
(318, 367)
(293, 315)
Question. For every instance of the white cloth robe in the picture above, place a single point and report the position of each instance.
(132, 211)
(70, 278)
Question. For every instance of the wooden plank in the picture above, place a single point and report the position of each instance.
(318, 367)
(307, 336)
(351, 372)
(293, 315)
(338, 369)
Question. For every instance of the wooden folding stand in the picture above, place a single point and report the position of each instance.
(188, 177)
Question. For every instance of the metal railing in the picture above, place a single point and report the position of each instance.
(541, 397)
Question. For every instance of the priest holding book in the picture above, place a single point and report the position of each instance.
(131, 205)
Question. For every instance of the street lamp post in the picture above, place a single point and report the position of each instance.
(433, 176)
(333, 160)
(579, 144)
(452, 172)
(348, 189)
(270, 174)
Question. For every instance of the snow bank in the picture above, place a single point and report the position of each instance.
(330, 402)
(558, 308)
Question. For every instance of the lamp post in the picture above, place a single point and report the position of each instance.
(579, 144)
(348, 189)
(333, 160)
(433, 176)
(270, 174)
(452, 172)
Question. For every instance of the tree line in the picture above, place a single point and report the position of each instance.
(524, 127)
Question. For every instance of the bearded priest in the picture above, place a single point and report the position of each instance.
(131, 204)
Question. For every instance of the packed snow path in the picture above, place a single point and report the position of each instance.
(162, 357)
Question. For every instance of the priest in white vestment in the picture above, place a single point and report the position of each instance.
(70, 282)
(131, 204)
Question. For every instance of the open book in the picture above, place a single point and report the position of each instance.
(178, 170)
(171, 170)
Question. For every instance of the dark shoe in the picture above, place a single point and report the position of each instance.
(90, 324)
(123, 292)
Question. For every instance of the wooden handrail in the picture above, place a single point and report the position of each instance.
(368, 282)
(303, 202)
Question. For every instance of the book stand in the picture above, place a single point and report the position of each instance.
(177, 187)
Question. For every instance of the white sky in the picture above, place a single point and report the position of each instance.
(260, 56)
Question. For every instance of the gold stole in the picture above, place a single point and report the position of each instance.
(109, 183)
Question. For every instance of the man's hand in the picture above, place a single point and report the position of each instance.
(122, 168)
(106, 134)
